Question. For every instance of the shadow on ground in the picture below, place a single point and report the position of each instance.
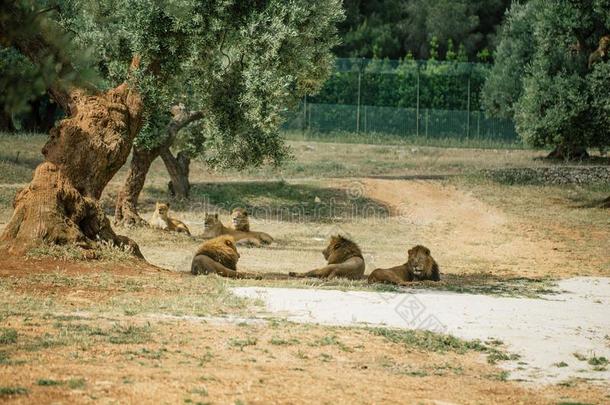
(282, 201)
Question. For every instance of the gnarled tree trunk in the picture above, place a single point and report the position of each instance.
(84, 151)
(126, 210)
(605, 203)
(178, 169)
(568, 152)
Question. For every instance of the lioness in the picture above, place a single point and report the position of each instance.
(419, 266)
(161, 220)
(241, 222)
(213, 228)
(344, 260)
(218, 255)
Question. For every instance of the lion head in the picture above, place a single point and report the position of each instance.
(422, 264)
(162, 209)
(210, 221)
(221, 249)
(340, 249)
(240, 220)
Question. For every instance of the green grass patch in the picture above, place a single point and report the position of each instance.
(199, 296)
(77, 383)
(12, 391)
(241, 343)
(469, 283)
(435, 342)
(8, 336)
(283, 342)
(44, 382)
(376, 138)
(331, 340)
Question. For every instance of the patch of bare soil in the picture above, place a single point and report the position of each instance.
(467, 231)
(194, 362)
(19, 266)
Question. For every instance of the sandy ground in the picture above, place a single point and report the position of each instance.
(543, 332)
(465, 234)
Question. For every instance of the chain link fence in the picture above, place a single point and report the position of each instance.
(424, 99)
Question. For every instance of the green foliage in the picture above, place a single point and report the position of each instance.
(29, 27)
(504, 85)
(442, 85)
(242, 63)
(395, 28)
(543, 78)
(20, 81)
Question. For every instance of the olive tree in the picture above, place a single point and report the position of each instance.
(543, 76)
(228, 59)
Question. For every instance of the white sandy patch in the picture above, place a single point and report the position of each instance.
(544, 332)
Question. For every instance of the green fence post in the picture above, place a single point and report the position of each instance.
(365, 126)
(417, 105)
(304, 113)
(359, 90)
(309, 120)
(427, 113)
(468, 110)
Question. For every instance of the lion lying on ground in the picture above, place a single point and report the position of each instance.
(419, 266)
(161, 220)
(213, 228)
(344, 260)
(241, 222)
(218, 255)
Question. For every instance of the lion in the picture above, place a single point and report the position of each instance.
(213, 227)
(601, 52)
(419, 266)
(344, 260)
(241, 222)
(161, 220)
(218, 255)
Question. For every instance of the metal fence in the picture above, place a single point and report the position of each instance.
(402, 98)
(427, 122)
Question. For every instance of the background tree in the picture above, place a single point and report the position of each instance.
(395, 28)
(557, 99)
(263, 64)
(514, 52)
(166, 43)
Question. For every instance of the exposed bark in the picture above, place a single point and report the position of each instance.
(82, 154)
(569, 152)
(178, 170)
(605, 203)
(126, 210)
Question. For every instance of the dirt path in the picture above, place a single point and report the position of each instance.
(467, 232)
(555, 337)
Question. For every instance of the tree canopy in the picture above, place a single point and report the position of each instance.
(241, 62)
(543, 77)
(394, 28)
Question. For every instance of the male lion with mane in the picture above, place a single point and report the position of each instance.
(218, 255)
(419, 266)
(344, 260)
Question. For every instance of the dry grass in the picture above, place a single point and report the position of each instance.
(75, 331)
